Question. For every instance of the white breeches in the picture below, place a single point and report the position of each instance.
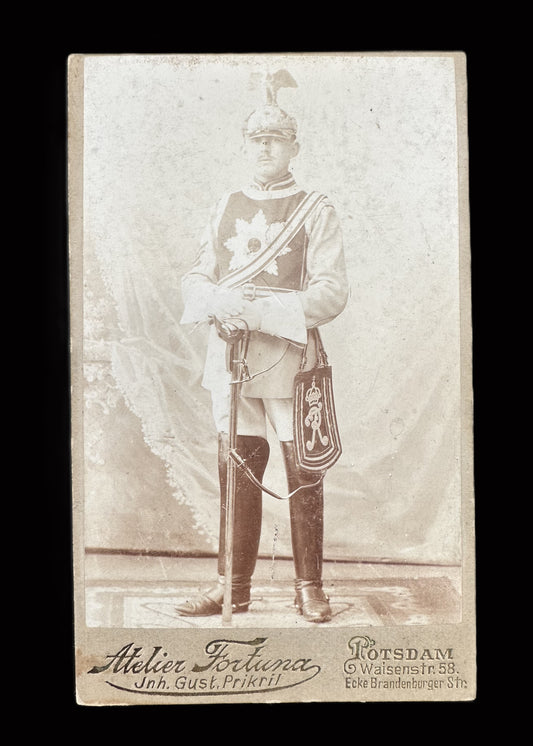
(253, 414)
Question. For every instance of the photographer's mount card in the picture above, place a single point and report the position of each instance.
(221, 207)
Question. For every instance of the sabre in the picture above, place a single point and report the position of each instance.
(237, 341)
(236, 334)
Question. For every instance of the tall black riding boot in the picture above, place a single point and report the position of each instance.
(306, 509)
(246, 529)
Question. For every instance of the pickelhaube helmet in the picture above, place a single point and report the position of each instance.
(270, 119)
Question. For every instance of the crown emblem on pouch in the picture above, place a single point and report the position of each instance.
(313, 394)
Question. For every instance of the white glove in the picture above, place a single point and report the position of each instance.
(229, 305)
(226, 303)
(251, 315)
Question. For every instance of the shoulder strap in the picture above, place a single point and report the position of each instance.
(322, 358)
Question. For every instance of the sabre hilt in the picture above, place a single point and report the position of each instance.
(230, 330)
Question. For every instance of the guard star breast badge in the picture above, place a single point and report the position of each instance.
(251, 237)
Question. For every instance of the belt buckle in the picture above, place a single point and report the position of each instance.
(248, 291)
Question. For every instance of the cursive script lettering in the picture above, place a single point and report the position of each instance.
(128, 660)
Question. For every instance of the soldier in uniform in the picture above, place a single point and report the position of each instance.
(272, 259)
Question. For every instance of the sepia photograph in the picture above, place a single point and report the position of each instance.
(271, 377)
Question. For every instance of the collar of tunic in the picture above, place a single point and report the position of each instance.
(282, 186)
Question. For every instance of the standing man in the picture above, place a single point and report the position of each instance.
(271, 260)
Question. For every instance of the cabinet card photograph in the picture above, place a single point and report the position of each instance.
(272, 490)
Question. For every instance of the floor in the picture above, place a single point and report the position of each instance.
(141, 592)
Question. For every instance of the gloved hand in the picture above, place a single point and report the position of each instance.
(229, 305)
(250, 315)
(226, 303)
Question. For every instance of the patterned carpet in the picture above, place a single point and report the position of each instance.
(357, 602)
